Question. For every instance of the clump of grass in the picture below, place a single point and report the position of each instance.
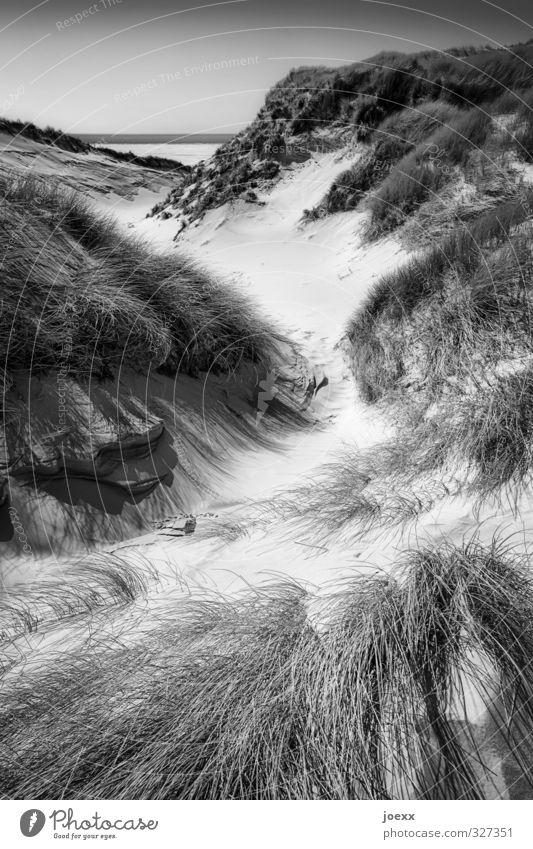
(462, 251)
(417, 123)
(463, 134)
(245, 699)
(423, 171)
(357, 494)
(508, 102)
(65, 212)
(408, 185)
(492, 432)
(69, 274)
(93, 583)
(349, 188)
(352, 185)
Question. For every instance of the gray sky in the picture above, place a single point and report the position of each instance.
(134, 66)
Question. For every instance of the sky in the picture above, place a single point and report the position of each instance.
(157, 66)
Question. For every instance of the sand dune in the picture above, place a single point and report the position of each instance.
(245, 492)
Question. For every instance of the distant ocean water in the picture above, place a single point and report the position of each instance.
(188, 149)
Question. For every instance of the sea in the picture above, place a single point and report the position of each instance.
(188, 148)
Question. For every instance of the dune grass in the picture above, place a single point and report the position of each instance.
(394, 138)
(489, 431)
(462, 251)
(409, 184)
(476, 444)
(415, 155)
(101, 581)
(71, 279)
(358, 493)
(462, 134)
(247, 699)
(423, 171)
(157, 163)
(446, 340)
(48, 135)
(416, 123)
(350, 187)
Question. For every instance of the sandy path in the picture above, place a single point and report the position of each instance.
(308, 279)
